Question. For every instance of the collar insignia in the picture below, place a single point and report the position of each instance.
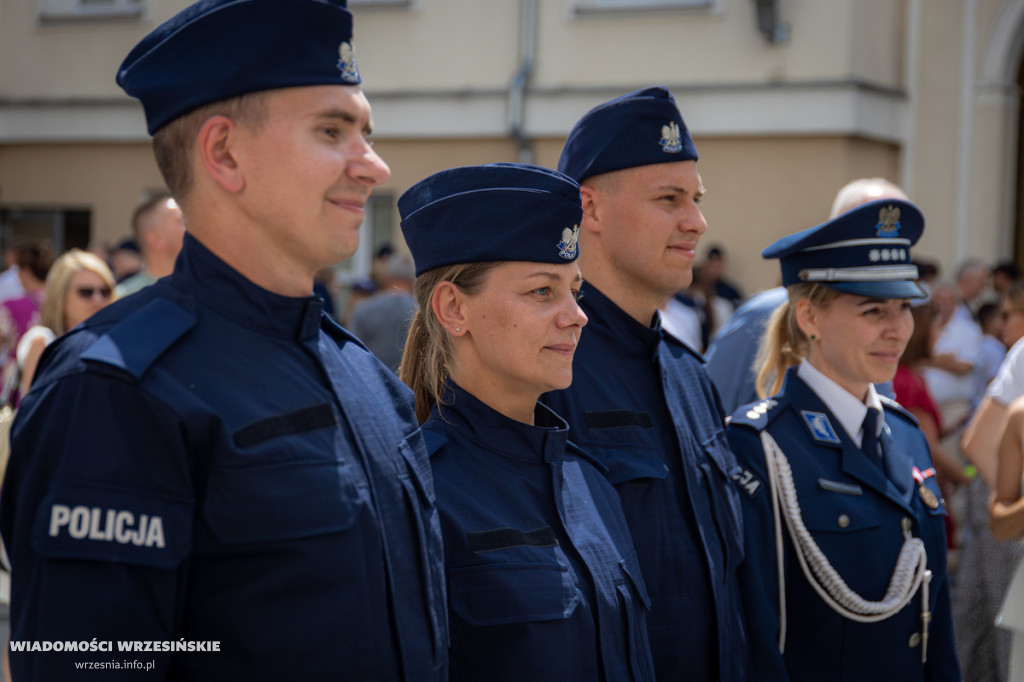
(820, 427)
(671, 138)
(567, 247)
(347, 63)
(888, 224)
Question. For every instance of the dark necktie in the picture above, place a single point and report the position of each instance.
(869, 442)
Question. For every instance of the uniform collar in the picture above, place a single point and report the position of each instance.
(843, 405)
(218, 286)
(491, 430)
(895, 482)
(613, 323)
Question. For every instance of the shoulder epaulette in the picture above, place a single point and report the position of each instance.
(338, 332)
(893, 407)
(434, 439)
(698, 356)
(583, 454)
(757, 415)
(135, 343)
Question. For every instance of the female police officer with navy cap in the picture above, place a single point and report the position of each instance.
(845, 570)
(543, 581)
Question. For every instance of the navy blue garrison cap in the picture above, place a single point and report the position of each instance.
(494, 212)
(638, 129)
(865, 251)
(217, 49)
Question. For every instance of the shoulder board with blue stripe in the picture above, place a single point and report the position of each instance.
(571, 447)
(338, 332)
(137, 341)
(683, 344)
(434, 439)
(893, 407)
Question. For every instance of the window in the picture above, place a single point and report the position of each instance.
(61, 229)
(584, 6)
(380, 3)
(90, 9)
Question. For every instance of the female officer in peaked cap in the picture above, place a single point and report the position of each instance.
(845, 569)
(543, 581)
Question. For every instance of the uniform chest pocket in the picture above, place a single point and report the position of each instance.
(720, 467)
(624, 443)
(635, 604)
(417, 474)
(502, 594)
(833, 512)
(282, 501)
(716, 448)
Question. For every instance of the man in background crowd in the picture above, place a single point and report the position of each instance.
(382, 321)
(159, 229)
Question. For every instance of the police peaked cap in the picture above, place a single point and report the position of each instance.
(637, 129)
(865, 251)
(494, 212)
(218, 49)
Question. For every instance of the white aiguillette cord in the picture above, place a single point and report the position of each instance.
(911, 571)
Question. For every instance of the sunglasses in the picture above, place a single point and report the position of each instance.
(89, 292)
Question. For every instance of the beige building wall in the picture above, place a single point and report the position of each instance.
(922, 92)
(108, 179)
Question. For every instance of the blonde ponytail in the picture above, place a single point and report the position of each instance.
(428, 354)
(784, 344)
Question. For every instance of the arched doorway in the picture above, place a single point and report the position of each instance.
(1000, 83)
(1018, 222)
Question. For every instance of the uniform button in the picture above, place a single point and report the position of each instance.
(843, 520)
(915, 639)
(907, 526)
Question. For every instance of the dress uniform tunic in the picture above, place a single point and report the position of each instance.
(642, 404)
(543, 580)
(856, 511)
(207, 461)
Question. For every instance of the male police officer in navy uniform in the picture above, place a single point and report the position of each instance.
(212, 470)
(640, 399)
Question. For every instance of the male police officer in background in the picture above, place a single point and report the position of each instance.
(213, 460)
(640, 400)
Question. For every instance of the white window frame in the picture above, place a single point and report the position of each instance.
(63, 10)
(382, 3)
(617, 6)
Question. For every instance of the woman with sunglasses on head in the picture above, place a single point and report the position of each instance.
(78, 285)
(845, 569)
(543, 581)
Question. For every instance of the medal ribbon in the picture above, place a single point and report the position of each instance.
(920, 476)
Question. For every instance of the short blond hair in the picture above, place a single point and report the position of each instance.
(173, 143)
(51, 313)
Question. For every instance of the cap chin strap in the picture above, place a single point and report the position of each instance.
(870, 273)
(909, 574)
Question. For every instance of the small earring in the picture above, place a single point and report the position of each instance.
(458, 329)
(813, 337)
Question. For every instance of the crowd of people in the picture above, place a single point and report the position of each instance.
(514, 463)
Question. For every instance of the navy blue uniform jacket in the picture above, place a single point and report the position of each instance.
(856, 514)
(207, 461)
(543, 580)
(642, 405)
